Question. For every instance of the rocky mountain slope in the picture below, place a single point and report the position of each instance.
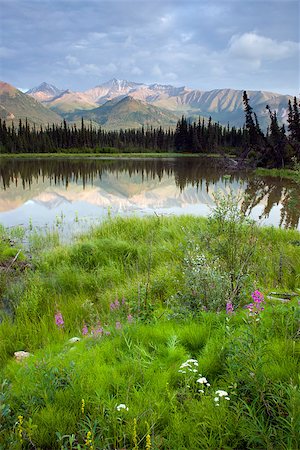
(15, 105)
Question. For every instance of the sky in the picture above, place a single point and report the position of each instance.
(202, 44)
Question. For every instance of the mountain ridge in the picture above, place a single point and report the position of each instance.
(126, 112)
(223, 105)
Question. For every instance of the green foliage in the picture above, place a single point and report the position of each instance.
(146, 262)
(205, 287)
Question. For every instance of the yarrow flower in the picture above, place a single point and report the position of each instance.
(189, 365)
(203, 380)
(59, 321)
(122, 406)
(221, 394)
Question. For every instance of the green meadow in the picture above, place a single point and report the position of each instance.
(188, 336)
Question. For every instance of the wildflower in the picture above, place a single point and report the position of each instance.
(59, 321)
(148, 442)
(118, 325)
(85, 330)
(257, 296)
(88, 440)
(129, 318)
(229, 308)
(255, 308)
(20, 428)
(134, 435)
(107, 333)
(190, 365)
(82, 405)
(117, 304)
(98, 330)
(202, 380)
(112, 306)
(122, 406)
(221, 393)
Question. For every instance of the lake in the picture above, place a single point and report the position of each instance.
(76, 192)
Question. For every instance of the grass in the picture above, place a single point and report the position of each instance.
(289, 174)
(129, 282)
(105, 153)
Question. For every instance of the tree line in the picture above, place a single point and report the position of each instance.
(275, 148)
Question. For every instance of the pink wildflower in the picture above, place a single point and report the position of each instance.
(118, 325)
(98, 330)
(229, 308)
(257, 296)
(85, 330)
(117, 304)
(59, 321)
(129, 318)
(256, 307)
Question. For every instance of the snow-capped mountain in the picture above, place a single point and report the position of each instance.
(44, 92)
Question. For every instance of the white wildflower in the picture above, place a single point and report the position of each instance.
(202, 380)
(221, 393)
(122, 406)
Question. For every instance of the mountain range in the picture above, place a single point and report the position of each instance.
(125, 104)
(223, 105)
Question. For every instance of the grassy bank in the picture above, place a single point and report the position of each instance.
(105, 154)
(282, 173)
(109, 153)
(160, 364)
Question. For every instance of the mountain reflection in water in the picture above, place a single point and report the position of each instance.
(39, 189)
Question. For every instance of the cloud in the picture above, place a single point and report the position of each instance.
(72, 60)
(203, 44)
(256, 47)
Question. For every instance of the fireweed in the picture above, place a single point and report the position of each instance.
(59, 321)
(229, 308)
(256, 307)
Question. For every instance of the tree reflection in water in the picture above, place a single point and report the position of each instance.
(197, 172)
(271, 192)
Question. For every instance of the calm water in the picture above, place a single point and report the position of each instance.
(44, 192)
